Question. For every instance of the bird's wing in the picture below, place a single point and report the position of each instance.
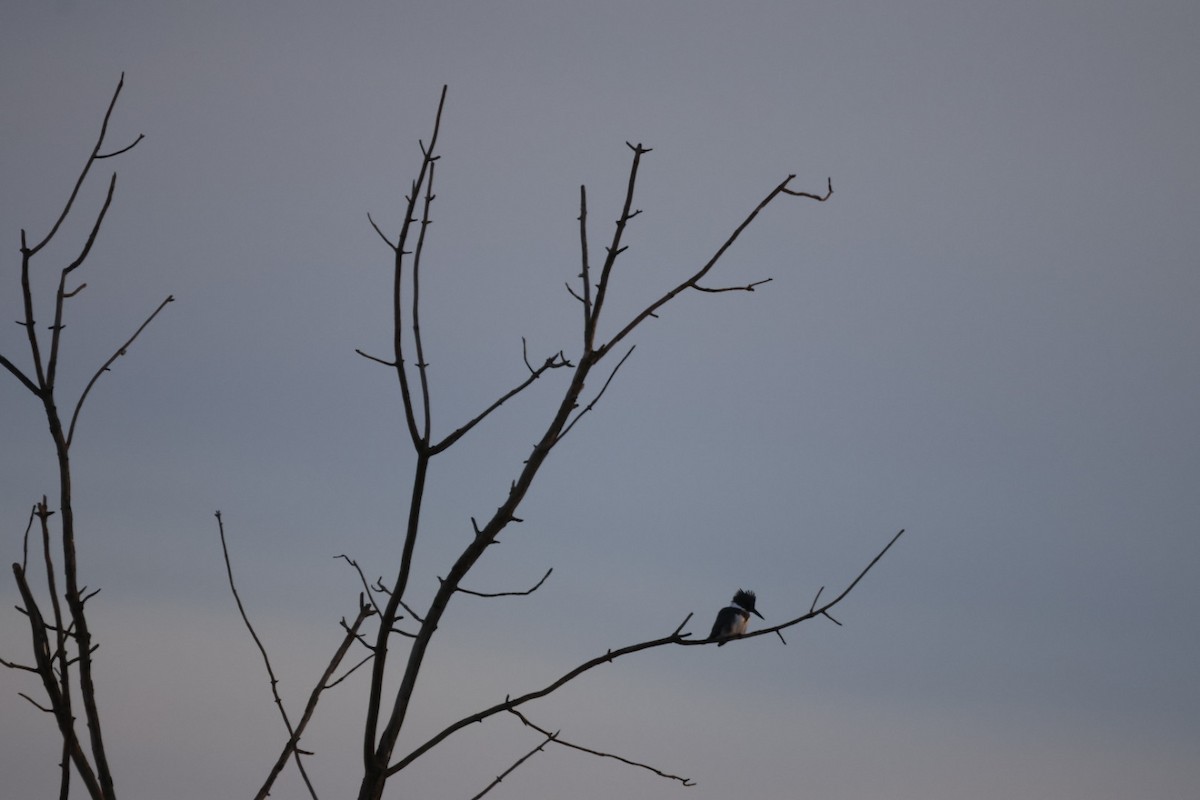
(724, 622)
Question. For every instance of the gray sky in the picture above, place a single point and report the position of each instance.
(988, 337)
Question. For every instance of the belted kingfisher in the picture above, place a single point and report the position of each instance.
(732, 619)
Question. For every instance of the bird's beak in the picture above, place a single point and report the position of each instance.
(760, 616)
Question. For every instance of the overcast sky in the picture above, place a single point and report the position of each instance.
(988, 336)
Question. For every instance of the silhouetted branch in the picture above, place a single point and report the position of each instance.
(747, 288)
(95, 156)
(60, 297)
(585, 271)
(675, 638)
(19, 375)
(384, 721)
(550, 737)
(556, 361)
(363, 579)
(601, 754)
(536, 586)
(35, 703)
(124, 149)
(70, 624)
(823, 611)
(819, 198)
(287, 723)
(292, 746)
(103, 369)
(692, 281)
(60, 704)
(383, 236)
(418, 344)
(599, 394)
(374, 358)
(614, 249)
(352, 670)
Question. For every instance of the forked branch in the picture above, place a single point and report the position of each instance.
(692, 282)
(550, 737)
(105, 367)
(69, 626)
(600, 753)
(287, 723)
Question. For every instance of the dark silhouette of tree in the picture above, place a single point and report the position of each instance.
(394, 635)
(62, 643)
(393, 652)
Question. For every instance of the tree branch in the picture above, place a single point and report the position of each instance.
(382, 235)
(747, 288)
(363, 579)
(596, 399)
(292, 746)
(589, 751)
(11, 367)
(104, 368)
(550, 737)
(529, 591)
(556, 361)
(287, 723)
(675, 638)
(614, 249)
(95, 156)
(60, 706)
(692, 281)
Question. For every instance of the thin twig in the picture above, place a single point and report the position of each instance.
(747, 288)
(819, 198)
(95, 155)
(601, 754)
(536, 586)
(287, 723)
(556, 361)
(692, 281)
(104, 368)
(362, 578)
(350, 671)
(599, 394)
(292, 746)
(550, 737)
(374, 358)
(61, 295)
(382, 235)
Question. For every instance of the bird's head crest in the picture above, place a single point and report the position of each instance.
(744, 599)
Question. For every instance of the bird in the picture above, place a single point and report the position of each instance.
(732, 619)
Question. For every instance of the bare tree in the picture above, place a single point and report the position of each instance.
(62, 642)
(397, 654)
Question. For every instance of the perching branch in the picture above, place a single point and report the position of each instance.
(675, 638)
(384, 721)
